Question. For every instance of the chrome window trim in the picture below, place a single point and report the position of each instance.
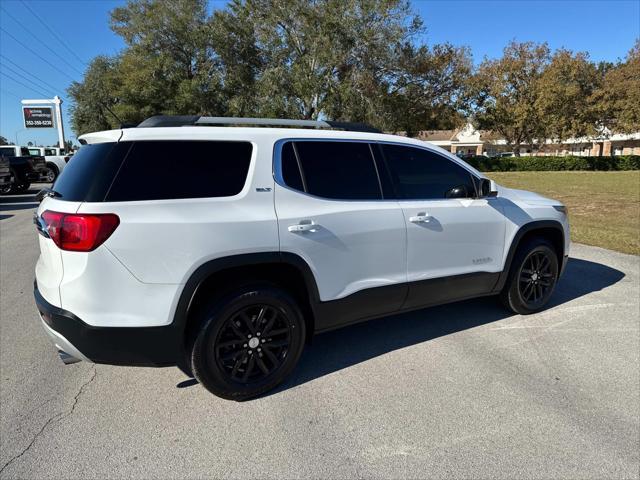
(277, 169)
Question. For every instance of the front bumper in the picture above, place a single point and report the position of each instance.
(135, 346)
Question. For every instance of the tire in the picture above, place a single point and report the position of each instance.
(51, 173)
(23, 187)
(248, 342)
(10, 187)
(532, 278)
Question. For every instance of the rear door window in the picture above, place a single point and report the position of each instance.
(158, 170)
(334, 170)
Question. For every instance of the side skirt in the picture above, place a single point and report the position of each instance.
(366, 304)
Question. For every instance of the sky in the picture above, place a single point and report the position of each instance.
(46, 44)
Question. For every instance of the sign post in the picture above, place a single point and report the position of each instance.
(42, 117)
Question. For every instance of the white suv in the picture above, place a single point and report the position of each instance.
(222, 249)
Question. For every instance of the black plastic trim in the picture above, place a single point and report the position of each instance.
(353, 126)
(133, 346)
(437, 291)
(382, 301)
(169, 121)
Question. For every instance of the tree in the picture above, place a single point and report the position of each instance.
(317, 59)
(428, 90)
(506, 94)
(95, 96)
(3, 141)
(618, 99)
(564, 91)
(341, 59)
(167, 67)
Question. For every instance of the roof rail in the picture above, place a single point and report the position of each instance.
(191, 120)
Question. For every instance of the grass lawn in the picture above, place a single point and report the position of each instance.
(604, 207)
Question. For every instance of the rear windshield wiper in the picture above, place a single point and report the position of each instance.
(47, 192)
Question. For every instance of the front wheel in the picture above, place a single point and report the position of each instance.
(532, 279)
(248, 343)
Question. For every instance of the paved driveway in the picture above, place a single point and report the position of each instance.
(464, 390)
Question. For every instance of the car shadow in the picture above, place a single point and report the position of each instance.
(343, 348)
(339, 349)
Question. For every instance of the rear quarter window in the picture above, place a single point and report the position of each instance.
(89, 174)
(160, 170)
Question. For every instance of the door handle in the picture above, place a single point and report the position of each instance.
(303, 227)
(422, 217)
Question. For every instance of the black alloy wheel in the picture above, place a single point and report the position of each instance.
(248, 341)
(536, 278)
(532, 278)
(253, 343)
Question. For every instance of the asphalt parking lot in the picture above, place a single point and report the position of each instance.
(464, 390)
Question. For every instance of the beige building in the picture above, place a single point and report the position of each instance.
(469, 141)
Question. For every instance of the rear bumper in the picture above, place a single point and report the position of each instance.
(135, 346)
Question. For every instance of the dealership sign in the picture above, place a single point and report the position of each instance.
(38, 117)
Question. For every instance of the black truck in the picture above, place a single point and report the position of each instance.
(24, 168)
(5, 173)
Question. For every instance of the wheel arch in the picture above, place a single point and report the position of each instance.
(551, 230)
(219, 276)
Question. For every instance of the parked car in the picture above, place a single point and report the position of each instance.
(5, 173)
(24, 167)
(243, 242)
(55, 158)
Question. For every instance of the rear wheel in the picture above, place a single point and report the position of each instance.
(11, 186)
(249, 342)
(532, 279)
(51, 173)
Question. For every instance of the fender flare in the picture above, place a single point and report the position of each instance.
(211, 267)
(517, 238)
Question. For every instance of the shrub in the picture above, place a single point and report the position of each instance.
(515, 164)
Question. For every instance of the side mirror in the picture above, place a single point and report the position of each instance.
(460, 191)
(488, 188)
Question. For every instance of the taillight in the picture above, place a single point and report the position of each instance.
(79, 232)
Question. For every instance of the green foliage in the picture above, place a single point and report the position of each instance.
(352, 60)
(3, 141)
(506, 93)
(565, 91)
(341, 59)
(522, 164)
(618, 100)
